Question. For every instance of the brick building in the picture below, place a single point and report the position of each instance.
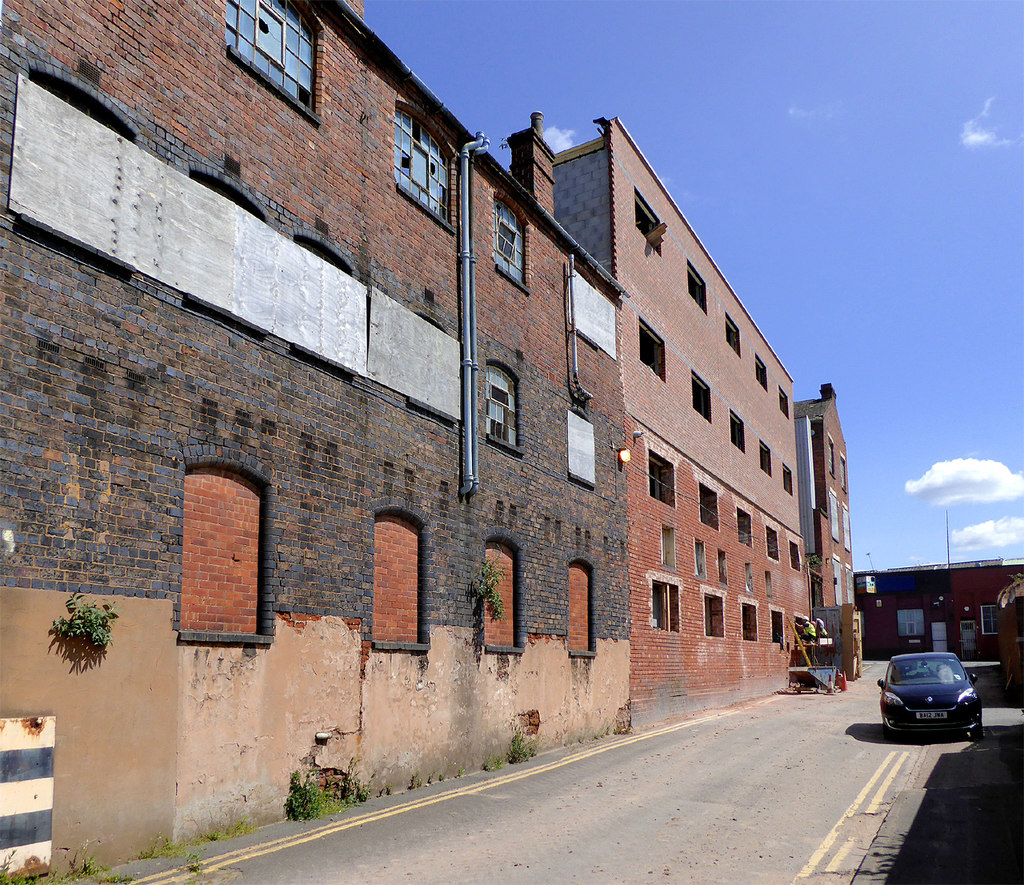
(259, 392)
(715, 549)
(824, 483)
(943, 607)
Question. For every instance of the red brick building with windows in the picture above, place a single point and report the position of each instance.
(824, 480)
(715, 549)
(260, 392)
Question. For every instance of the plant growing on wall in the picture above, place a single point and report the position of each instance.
(814, 562)
(87, 621)
(486, 585)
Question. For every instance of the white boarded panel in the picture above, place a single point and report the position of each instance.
(255, 259)
(595, 315)
(343, 329)
(581, 448)
(64, 168)
(411, 356)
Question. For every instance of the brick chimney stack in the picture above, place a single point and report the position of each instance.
(532, 162)
(827, 391)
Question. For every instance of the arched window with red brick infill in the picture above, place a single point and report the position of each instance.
(396, 579)
(579, 607)
(220, 552)
(502, 633)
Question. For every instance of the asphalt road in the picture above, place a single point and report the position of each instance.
(792, 788)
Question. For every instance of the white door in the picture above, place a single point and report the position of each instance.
(939, 636)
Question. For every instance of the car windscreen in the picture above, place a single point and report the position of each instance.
(921, 671)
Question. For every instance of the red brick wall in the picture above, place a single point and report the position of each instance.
(502, 632)
(220, 556)
(395, 580)
(579, 608)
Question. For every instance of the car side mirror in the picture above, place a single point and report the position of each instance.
(973, 677)
(881, 683)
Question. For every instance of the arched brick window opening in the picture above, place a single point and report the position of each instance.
(502, 633)
(396, 579)
(220, 552)
(579, 607)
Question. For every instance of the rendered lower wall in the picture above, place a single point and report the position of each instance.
(114, 757)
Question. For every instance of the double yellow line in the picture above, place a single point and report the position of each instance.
(221, 861)
(876, 802)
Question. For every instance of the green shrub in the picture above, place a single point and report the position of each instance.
(86, 621)
(306, 800)
(521, 748)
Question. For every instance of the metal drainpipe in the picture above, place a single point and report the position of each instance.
(467, 276)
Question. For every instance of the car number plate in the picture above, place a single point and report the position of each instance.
(932, 714)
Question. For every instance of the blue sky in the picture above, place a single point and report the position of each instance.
(857, 171)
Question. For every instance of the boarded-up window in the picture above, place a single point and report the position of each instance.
(502, 632)
(220, 552)
(396, 579)
(579, 608)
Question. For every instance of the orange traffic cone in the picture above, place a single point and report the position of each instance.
(842, 681)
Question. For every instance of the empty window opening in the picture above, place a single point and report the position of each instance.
(723, 569)
(760, 372)
(777, 632)
(648, 223)
(768, 585)
(652, 350)
(787, 480)
(714, 620)
(772, 542)
(701, 397)
(708, 506)
(831, 456)
(732, 334)
(736, 432)
(695, 285)
(662, 479)
(783, 402)
(700, 567)
(765, 455)
(748, 577)
(794, 554)
(749, 622)
(743, 528)
(665, 606)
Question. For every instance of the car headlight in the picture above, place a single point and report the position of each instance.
(968, 694)
(891, 698)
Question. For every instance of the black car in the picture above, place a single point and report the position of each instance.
(929, 691)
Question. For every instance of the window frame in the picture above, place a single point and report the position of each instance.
(907, 626)
(783, 402)
(509, 409)
(771, 543)
(787, 480)
(744, 528)
(514, 265)
(437, 204)
(714, 616)
(665, 596)
(989, 611)
(764, 455)
(794, 555)
(723, 568)
(700, 559)
(748, 619)
(668, 547)
(276, 68)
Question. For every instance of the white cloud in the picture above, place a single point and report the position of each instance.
(967, 481)
(559, 139)
(827, 112)
(1003, 532)
(975, 135)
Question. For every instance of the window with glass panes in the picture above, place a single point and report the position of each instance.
(420, 168)
(271, 35)
(501, 405)
(508, 242)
